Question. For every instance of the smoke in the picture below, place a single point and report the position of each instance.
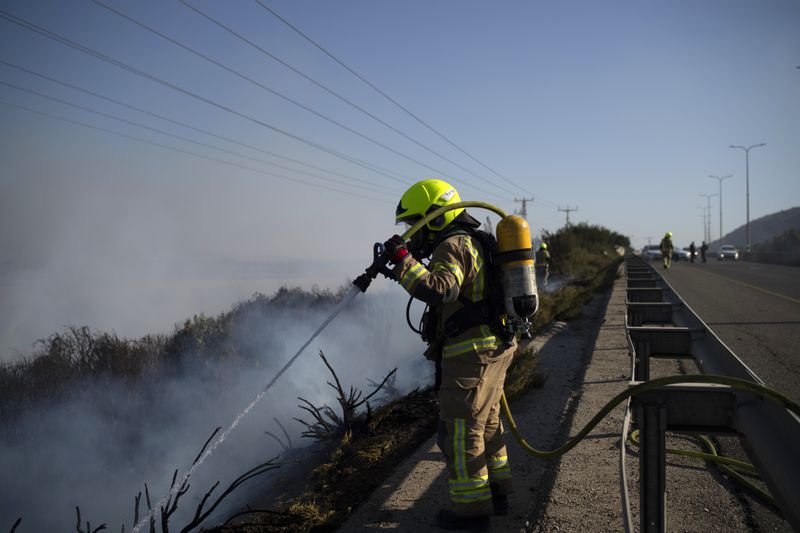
(554, 282)
(98, 449)
(137, 255)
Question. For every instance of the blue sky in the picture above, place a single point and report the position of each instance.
(621, 109)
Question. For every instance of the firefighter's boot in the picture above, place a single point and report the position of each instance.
(500, 504)
(447, 519)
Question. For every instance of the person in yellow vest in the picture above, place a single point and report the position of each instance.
(473, 358)
(666, 249)
(542, 264)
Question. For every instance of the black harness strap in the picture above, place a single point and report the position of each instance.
(513, 255)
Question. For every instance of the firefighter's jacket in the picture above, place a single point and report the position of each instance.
(456, 269)
(542, 257)
(666, 246)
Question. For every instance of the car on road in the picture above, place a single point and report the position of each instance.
(651, 251)
(680, 254)
(728, 251)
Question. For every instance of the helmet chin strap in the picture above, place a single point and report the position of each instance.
(420, 243)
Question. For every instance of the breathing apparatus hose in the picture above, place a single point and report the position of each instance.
(734, 383)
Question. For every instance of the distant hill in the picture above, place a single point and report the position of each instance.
(762, 229)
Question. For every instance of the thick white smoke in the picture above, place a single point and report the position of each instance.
(94, 453)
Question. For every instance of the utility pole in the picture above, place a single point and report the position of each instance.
(568, 210)
(705, 223)
(524, 210)
(708, 199)
(747, 183)
(720, 179)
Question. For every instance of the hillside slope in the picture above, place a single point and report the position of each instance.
(762, 229)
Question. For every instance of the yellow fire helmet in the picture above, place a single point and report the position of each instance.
(543, 246)
(668, 234)
(425, 197)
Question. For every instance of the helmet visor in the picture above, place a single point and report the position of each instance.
(408, 222)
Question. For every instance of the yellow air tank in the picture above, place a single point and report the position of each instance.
(515, 259)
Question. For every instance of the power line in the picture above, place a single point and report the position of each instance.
(175, 136)
(194, 154)
(189, 126)
(392, 100)
(77, 46)
(271, 90)
(334, 93)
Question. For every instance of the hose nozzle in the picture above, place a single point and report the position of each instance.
(379, 261)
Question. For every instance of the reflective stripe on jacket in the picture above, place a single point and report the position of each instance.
(456, 268)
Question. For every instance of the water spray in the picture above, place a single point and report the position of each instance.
(351, 294)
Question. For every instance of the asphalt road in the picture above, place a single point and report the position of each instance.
(754, 308)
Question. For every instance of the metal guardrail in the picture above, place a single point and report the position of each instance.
(660, 324)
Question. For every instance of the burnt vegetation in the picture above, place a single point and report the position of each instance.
(158, 518)
(361, 441)
(328, 424)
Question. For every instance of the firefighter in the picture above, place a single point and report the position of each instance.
(542, 264)
(666, 249)
(473, 358)
(692, 252)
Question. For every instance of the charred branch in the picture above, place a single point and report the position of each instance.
(205, 446)
(390, 391)
(387, 385)
(136, 501)
(176, 492)
(200, 515)
(150, 509)
(285, 445)
(89, 529)
(327, 424)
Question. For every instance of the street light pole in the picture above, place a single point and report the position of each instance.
(708, 199)
(720, 178)
(705, 222)
(747, 184)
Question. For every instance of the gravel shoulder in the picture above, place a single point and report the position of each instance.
(586, 362)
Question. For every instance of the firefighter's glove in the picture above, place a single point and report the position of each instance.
(396, 249)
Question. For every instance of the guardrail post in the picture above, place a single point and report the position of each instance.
(652, 420)
(650, 282)
(641, 367)
(671, 342)
(645, 294)
(641, 313)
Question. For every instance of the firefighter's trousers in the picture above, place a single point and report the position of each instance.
(470, 431)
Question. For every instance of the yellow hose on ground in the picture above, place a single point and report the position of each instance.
(734, 383)
(725, 464)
